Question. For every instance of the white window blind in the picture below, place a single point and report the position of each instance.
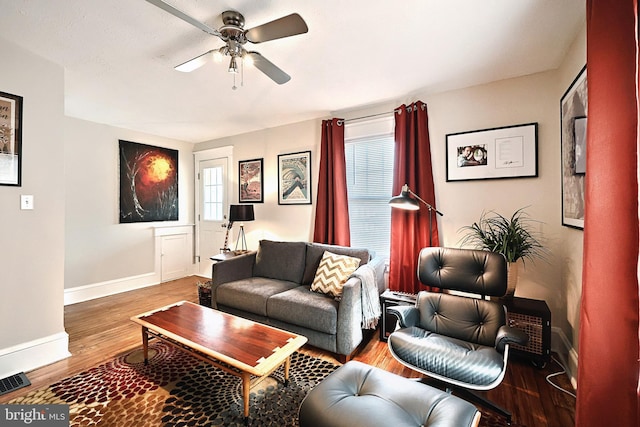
(369, 161)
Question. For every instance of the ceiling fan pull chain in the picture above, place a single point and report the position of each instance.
(242, 73)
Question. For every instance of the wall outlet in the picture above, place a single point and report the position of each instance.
(26, 202)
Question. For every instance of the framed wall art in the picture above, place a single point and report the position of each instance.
(250, 179)
(294, 178)
(573, 122)
(504, 152)
(148, 183)
(10, 139)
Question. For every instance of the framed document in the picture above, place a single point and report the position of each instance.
(505, 152)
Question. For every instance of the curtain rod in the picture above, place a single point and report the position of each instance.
(397, 110)
(367, 117)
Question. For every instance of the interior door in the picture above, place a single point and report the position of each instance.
(212, 208)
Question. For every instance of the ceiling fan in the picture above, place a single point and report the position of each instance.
(235, 36)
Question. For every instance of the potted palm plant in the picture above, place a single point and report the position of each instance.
(513, 237)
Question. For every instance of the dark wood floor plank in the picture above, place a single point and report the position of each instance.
(100, 329)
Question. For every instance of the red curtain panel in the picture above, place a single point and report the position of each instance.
(412, 166)
(609, 349)
(332, 207)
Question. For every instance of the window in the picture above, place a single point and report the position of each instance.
(369, 148)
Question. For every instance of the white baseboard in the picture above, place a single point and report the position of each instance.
(34, 354)
(111, 287)
(569, 356)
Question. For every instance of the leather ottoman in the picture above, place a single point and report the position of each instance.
(357, 394)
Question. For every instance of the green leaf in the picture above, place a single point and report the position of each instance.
(513, 237)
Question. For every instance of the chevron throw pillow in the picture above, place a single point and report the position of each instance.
(333, 272)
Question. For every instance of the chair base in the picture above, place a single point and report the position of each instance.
(469, 395)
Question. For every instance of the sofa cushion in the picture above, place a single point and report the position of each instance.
(280, 260)
(300, 306)
(251, 294)
(333, 272)
(316, 250)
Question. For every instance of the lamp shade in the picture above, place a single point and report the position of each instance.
(404, 201)
(241, 213)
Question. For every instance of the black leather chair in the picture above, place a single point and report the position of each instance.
(359, 395)
(461, 340)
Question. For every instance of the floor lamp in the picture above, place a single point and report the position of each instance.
(241, 214)
(406, 202)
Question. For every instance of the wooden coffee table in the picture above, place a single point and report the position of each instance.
(239, 346)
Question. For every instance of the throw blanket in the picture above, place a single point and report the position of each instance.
(369, 296)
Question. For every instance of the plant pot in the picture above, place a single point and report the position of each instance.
(512, 278)
(204, 294)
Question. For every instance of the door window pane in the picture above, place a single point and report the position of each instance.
(212, 199)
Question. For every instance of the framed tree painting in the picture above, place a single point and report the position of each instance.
(10, 139)
(573, 122)
(294, 178)
(148, 183)
(250, 180)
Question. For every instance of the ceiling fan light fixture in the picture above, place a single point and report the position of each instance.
(218, 56)
(234, 35)
(233, 66)
(247, 60)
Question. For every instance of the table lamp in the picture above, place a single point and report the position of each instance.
(241, 213)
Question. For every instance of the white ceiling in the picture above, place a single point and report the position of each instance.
(119, 55)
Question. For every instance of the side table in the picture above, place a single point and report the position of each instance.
(224, 256)
(533, 317)
(389, 299)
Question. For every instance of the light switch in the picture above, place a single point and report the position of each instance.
(26, 202)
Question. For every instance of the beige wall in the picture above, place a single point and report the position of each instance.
(534, 98)
(98, 249)
(72, 238)
(273, 221)
(32, 241)
(572, 239)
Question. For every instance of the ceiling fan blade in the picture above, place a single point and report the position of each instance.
(269, 68)
(177, 13)
(195, 63)
(286, 26)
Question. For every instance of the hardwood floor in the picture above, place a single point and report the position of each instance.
(100, 329)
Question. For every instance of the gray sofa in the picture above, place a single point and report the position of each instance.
(273, 286)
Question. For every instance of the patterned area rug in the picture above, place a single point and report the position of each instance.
(176, 389)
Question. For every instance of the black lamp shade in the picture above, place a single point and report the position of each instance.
(241, 213)
(404, 201)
